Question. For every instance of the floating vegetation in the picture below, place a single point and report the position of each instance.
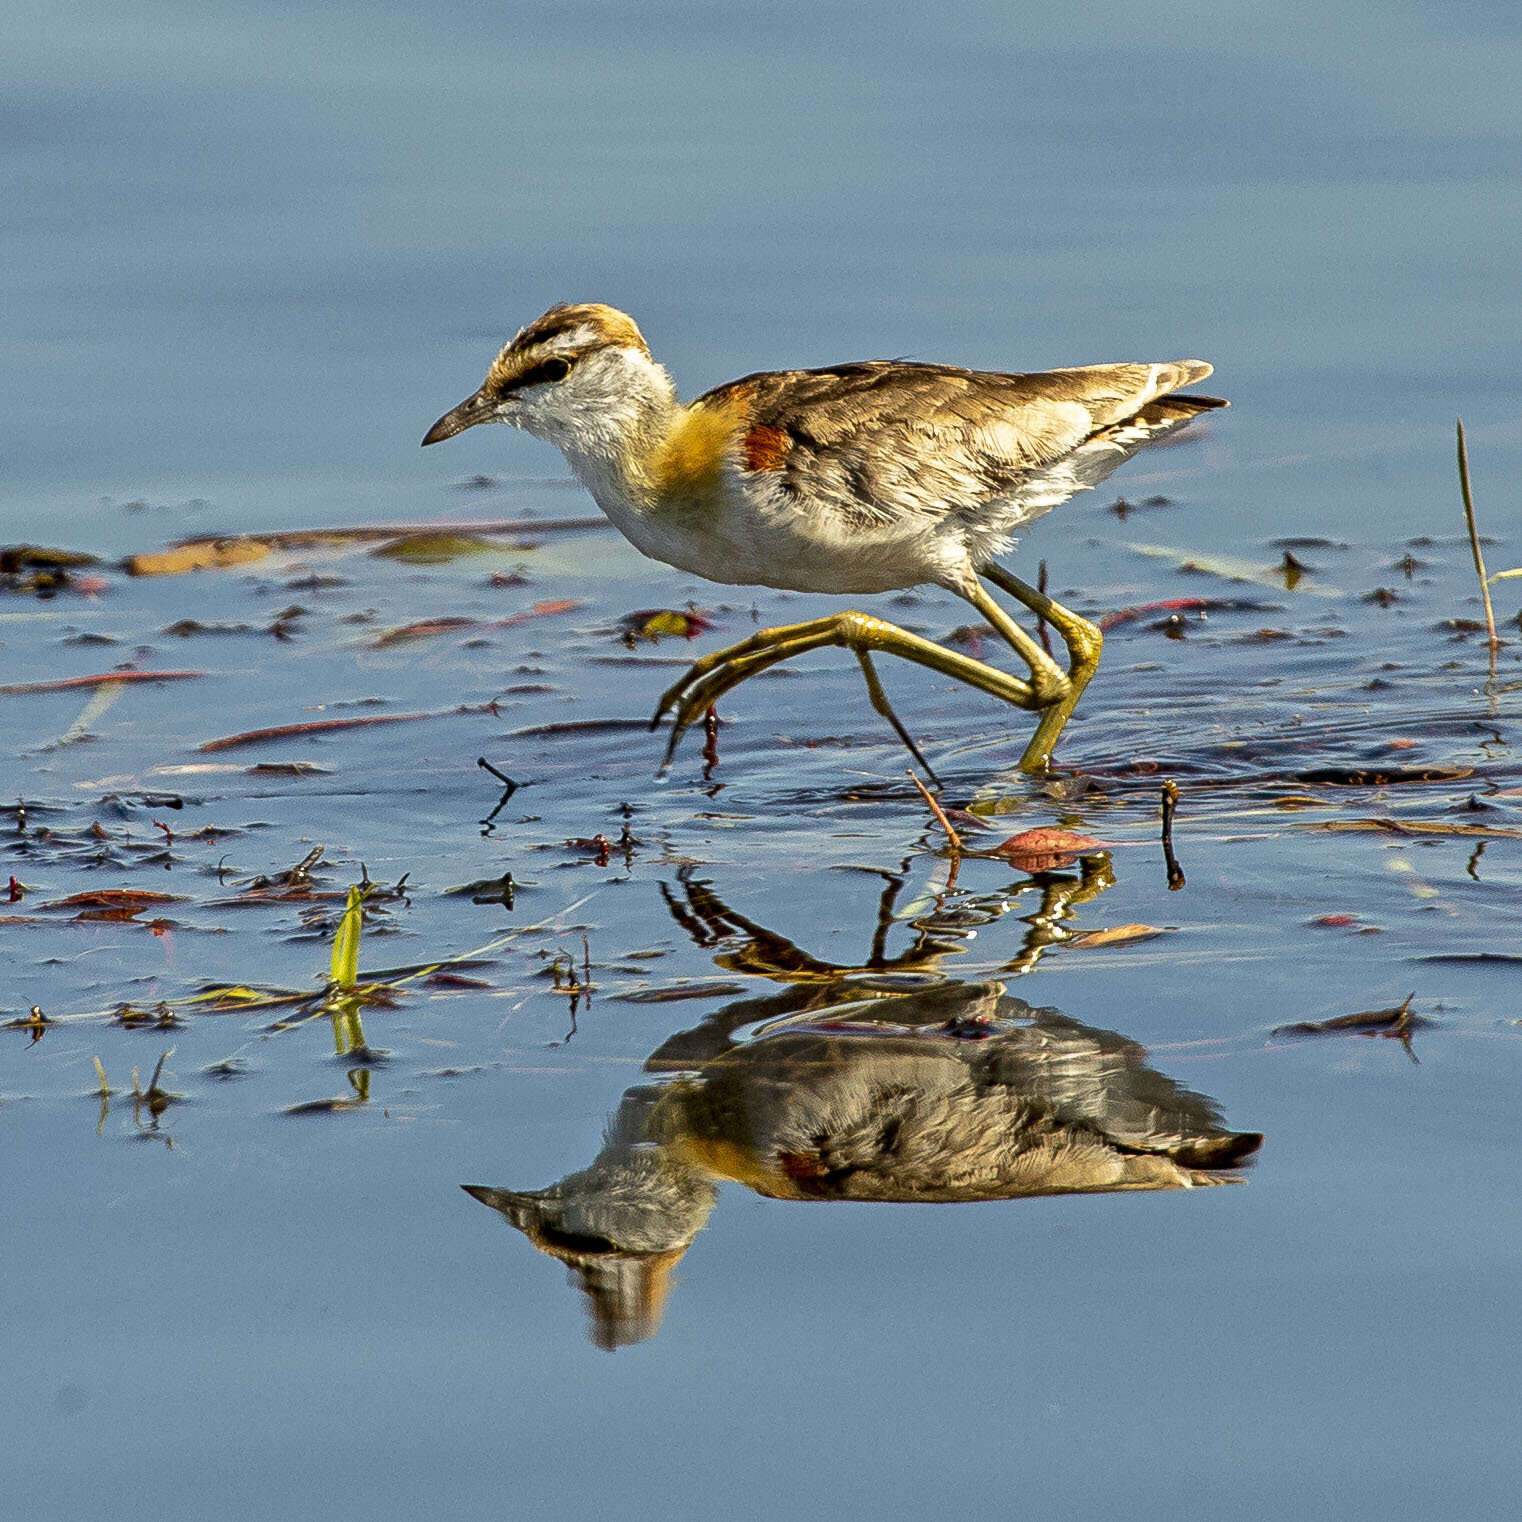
(1398, 1023)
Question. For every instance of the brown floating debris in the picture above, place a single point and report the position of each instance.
(135, 1017)
(489, 890)
(970, 637)
(240, 549)
(324, 726)
(104, 678)
(674, 993)
(1381, 776)
(134, 900)
(21, 557)
(435, 548)
(1474, 958)
(546, 608)
(579, 727)
(1416, 827)
(197, 555)
(324, 1106)
(1226, 567)
(1115, 935)
(1398, 1022)
(1187, 605)
(424, 628)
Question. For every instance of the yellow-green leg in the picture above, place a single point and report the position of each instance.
(1083, 642)
(710, 677)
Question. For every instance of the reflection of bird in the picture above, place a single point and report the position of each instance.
(620, 1226)
(955, 1092)
(977, 1096)
(853, 478)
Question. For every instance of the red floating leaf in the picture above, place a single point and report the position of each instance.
(1042, 850)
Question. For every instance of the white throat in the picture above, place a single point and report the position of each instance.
(607, 418)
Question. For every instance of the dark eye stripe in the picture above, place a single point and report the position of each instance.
(547, 371)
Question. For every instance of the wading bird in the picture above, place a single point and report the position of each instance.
(853, 478)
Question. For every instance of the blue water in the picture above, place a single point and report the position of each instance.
(253, 255)
(250, 254)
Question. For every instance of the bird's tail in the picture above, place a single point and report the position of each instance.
(1104, 452)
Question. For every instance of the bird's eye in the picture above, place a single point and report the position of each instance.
(553, 369)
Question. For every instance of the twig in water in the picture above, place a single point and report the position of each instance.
(710, 741)
(1474, 544)
(104, 678)
(1046, 639)
(508, 785)
(952, 838)
(1170, 803)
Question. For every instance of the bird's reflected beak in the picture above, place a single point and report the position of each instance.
(474, 409)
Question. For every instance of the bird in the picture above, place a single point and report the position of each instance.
(872, 476)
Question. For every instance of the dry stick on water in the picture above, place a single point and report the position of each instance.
(101, 679)
(326, 726)
(1474, 544)
(952, 838)
(1170, 803)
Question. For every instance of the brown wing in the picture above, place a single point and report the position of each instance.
(885, 439)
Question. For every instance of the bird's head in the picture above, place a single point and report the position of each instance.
(580, 377)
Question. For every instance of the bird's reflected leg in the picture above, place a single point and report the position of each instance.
(1060, 895)
(1083, 642)
(711, 676)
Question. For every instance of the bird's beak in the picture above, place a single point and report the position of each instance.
(474, 409)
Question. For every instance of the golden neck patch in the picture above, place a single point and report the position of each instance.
(689, 461)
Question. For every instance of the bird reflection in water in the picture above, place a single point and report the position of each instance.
(871, 1084)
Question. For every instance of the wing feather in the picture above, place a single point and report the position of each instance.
(884, 441)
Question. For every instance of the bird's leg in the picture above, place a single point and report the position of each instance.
(711, 676)
(1083, 642)
(1047, 679)
(879, 700)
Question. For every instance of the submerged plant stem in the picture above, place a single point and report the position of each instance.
(1474, 544)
